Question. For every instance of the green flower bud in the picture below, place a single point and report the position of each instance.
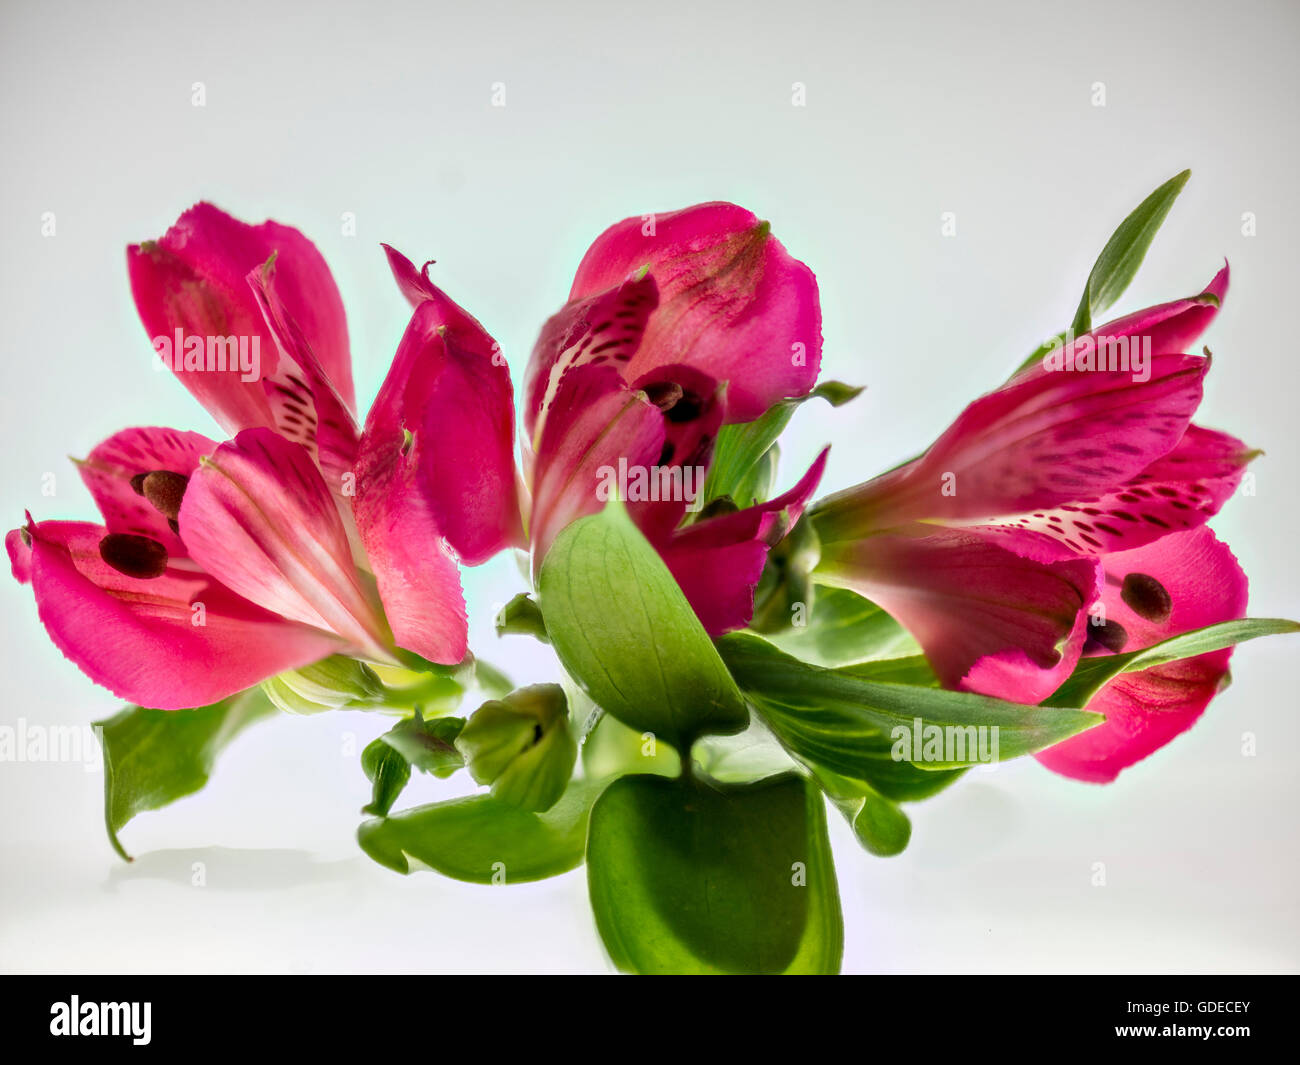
(522, 746)
(329, 684)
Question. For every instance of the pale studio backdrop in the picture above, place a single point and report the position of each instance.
(912, 110)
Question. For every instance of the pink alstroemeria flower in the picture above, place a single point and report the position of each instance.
(992, 546)
(219, 565)
(1181, 582)
(676, 325)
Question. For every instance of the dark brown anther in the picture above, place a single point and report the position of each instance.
(165, 490)
(134, 556)
(1108, 637)
(686, 409)
(663, 394)
(1146, 597)
(137, 483)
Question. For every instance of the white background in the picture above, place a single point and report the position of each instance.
(317, 109)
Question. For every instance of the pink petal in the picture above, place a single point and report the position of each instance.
(1178, 491)
(258, 516)
(594, 422)
(145, 640)
(732, 302)
(718, 580)
(449, 388)
(600, 330)
(304, 403)
(194, 279)
(1176, 326)
(966, 595)
(110, 467)
(18, 542)
(718, 561)
(692, 406)
(1145, 710)
(1038, 442)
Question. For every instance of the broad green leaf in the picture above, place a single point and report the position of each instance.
(1119, 260)
(841, 720)
(690, 877)
(739, 448)
(842, 628)
(154, 757)
(624, 631)
(483, 840)
(1092, 674)
(428, 745)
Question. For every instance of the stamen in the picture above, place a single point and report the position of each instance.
(134, 556)
(1108, 637)
(663, 394)
(1146, 597)
(165, 490)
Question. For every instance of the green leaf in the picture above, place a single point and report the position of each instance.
(388, 773)
(842, 628)
(521, 617)
(427, 745)
(491, 681)
(688, 877)
(1119, 260)
(881, 827)
(483, 840)
(154, 757)
(612, 749)
(1092, 674)
(739, 448)
(844, 721)
(624, 631)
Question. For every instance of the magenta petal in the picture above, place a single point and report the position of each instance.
(1176, 326)
(966, 595)
(171, 642)
(442, 427)
(1036, 443)
(1146, 710)
(259, 517)
(304, 403)
(108, 471)
(717, 579)
(594, 422)
(1178, 491)
(194, 279)
(718, 561)
(732, 302)
(18, 542)
(600, 330)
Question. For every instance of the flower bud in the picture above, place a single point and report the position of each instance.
(329, 684)
(522, 746)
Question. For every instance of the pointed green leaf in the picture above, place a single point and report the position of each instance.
(154, 757)
(842, 720)
(739, 448)
(690, 877)
(1119, 260)
(1092, 674)
(624, 631)
(483, 840)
